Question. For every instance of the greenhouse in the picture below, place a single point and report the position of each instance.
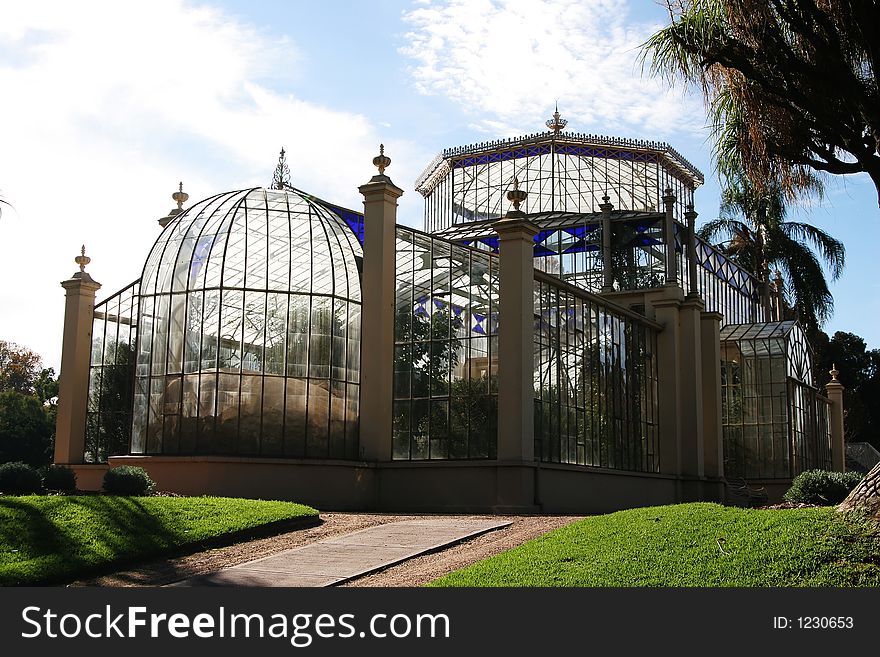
(557, 338)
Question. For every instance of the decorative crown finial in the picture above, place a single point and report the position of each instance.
(82, 259)
(281, 176)
(180, 197)
(833, 372)
(381, 161)
(516, 195)
(557, 123)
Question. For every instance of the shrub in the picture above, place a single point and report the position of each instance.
(128, 480)
(821, 487)
(59, 477)
(19, 478)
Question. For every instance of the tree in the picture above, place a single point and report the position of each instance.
(859, 372)
(25, 385)
(25, 431)
(790, 85)
(866, 496)
(754, 222)
(20, 368)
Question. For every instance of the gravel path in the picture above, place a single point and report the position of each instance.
(414, 572)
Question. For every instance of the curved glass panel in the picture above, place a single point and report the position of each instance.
(249, 331)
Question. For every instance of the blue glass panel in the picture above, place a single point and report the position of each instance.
(543, 235)
(490, 241)
(354, 220)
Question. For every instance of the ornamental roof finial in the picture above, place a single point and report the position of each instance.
(281, 176)
(82, 259)
(381, 161)
(180, 197)
(833, 372)
(516, 195)
(557, 123)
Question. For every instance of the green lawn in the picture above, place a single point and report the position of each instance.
(691, 545)
(53, 539)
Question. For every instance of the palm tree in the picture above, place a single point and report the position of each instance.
(759, 238)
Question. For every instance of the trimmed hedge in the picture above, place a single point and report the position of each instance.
(19, 478)
(822, 487)
(128, 480)
(58, 477)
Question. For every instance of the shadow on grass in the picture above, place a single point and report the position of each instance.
(74, 537)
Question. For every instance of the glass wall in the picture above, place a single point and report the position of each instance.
(775, 424)
(569, 246)
(249, 331)
(111, 375)
(445, 353)
(595, 382)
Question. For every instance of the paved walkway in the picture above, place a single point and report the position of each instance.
(338, 559)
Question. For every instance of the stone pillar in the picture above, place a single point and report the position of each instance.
(710, 347)
(515, 489)
(690, 217)
(607, 275)
(669, 237)
(835, 390)
(377, 313)
(516, 335)
(691, 390)
(76, 348)
(666, 312)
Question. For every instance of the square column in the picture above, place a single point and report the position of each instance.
(835, 389)
(669, 385)
(516, 359)
(691, 388)
(516, 339)
(377, 315)
(669, 237)
(73, 380)
(710, 346)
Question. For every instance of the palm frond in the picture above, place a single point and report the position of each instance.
(833, 251)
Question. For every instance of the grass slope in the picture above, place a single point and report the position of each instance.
(46, 539)
(691, 545)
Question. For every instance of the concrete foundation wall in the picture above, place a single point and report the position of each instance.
(89, 477)
(326, 485)
(568, 489)
(450, 487)
(775, 489)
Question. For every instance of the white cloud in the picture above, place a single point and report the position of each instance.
(507, 61)
(106, 105)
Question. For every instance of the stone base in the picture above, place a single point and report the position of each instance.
(414, 486)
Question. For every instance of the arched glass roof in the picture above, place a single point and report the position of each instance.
(276, 240)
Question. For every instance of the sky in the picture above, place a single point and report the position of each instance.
(106, 106)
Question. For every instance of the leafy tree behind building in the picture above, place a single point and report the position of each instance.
(28, 406)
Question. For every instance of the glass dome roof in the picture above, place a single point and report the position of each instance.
(256, 239)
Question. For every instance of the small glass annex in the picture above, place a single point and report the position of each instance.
(249, 331)
(775, 423)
